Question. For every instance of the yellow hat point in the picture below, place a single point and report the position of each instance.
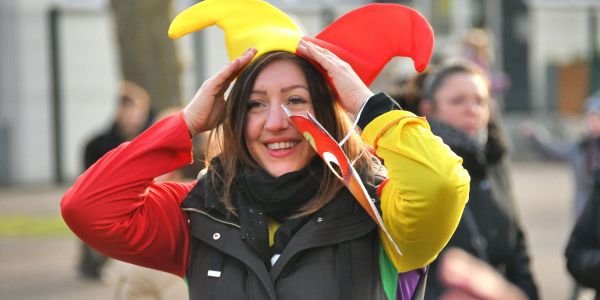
(246, 23)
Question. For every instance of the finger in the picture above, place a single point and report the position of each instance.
(318, 56)
(328, 53)
(228, 73)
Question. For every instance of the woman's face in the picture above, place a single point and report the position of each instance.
(463, 101)
(592, 121)
(272, 140)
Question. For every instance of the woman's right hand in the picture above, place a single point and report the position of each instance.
(206, 110)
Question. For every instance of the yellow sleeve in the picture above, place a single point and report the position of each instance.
(424, 198)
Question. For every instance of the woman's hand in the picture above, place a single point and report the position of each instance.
(352, 91)
(206, 110)
(466, 277)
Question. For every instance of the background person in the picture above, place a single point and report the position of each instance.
(139, 283)
(583, 154)
(132, 116)
(456, 101)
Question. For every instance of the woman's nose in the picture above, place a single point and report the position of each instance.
(276, 119)
(473, 108)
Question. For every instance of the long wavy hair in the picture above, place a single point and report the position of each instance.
(227, 142)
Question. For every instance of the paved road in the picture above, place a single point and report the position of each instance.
(43, 269)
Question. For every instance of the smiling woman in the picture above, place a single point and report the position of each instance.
(268, 219)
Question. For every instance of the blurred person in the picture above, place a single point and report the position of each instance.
(140, 283)
(477, 47)
(268, 220)
(132, 116)
(582, 154)
(457, 104)
(583, 248)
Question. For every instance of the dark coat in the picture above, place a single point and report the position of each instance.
(583, 248)
(333, 256)
(101, 144)
(489, 228)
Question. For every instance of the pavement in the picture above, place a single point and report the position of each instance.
(43, 267)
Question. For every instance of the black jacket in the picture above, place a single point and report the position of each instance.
(336, 254)
(101, 144)
(333, 256)
(489, 228)
(583, 248)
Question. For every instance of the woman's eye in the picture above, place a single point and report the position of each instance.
(254, 105)
(298, 105)
(296, 101)
(457, 101)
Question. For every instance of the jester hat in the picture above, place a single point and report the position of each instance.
(367, 38)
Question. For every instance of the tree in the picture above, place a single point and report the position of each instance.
(148, 56)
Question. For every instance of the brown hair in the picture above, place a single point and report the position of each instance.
(438, 76)
(233, 153)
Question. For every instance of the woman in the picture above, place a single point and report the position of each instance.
(456, 101)
(268, 220)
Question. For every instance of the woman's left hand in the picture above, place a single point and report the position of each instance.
(352, 91)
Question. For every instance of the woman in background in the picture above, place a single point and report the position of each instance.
(457, 104)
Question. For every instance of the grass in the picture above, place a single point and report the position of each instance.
(16, 226)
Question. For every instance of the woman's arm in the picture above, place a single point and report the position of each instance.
(542, 142)
(423, 200)
(116, 207)
(428, 187)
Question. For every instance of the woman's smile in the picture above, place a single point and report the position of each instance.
(272, 140)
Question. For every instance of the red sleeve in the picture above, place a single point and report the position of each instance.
(116, 207)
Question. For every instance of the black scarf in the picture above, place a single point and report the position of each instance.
(258, 195)
(476, 156)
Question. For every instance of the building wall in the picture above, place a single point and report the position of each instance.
(8, 92)
(89, 80)
(558, 35)
(88, 77)
(25, 109)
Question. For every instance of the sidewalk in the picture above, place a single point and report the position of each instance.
(43, 268)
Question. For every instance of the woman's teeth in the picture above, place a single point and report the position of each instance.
(281, 145)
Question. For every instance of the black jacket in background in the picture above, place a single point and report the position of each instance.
(101, 144)
(490, 204)
(583, 248)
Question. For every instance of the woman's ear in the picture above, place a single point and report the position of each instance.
(426, 107)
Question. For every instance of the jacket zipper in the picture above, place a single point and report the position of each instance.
(213, 218)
